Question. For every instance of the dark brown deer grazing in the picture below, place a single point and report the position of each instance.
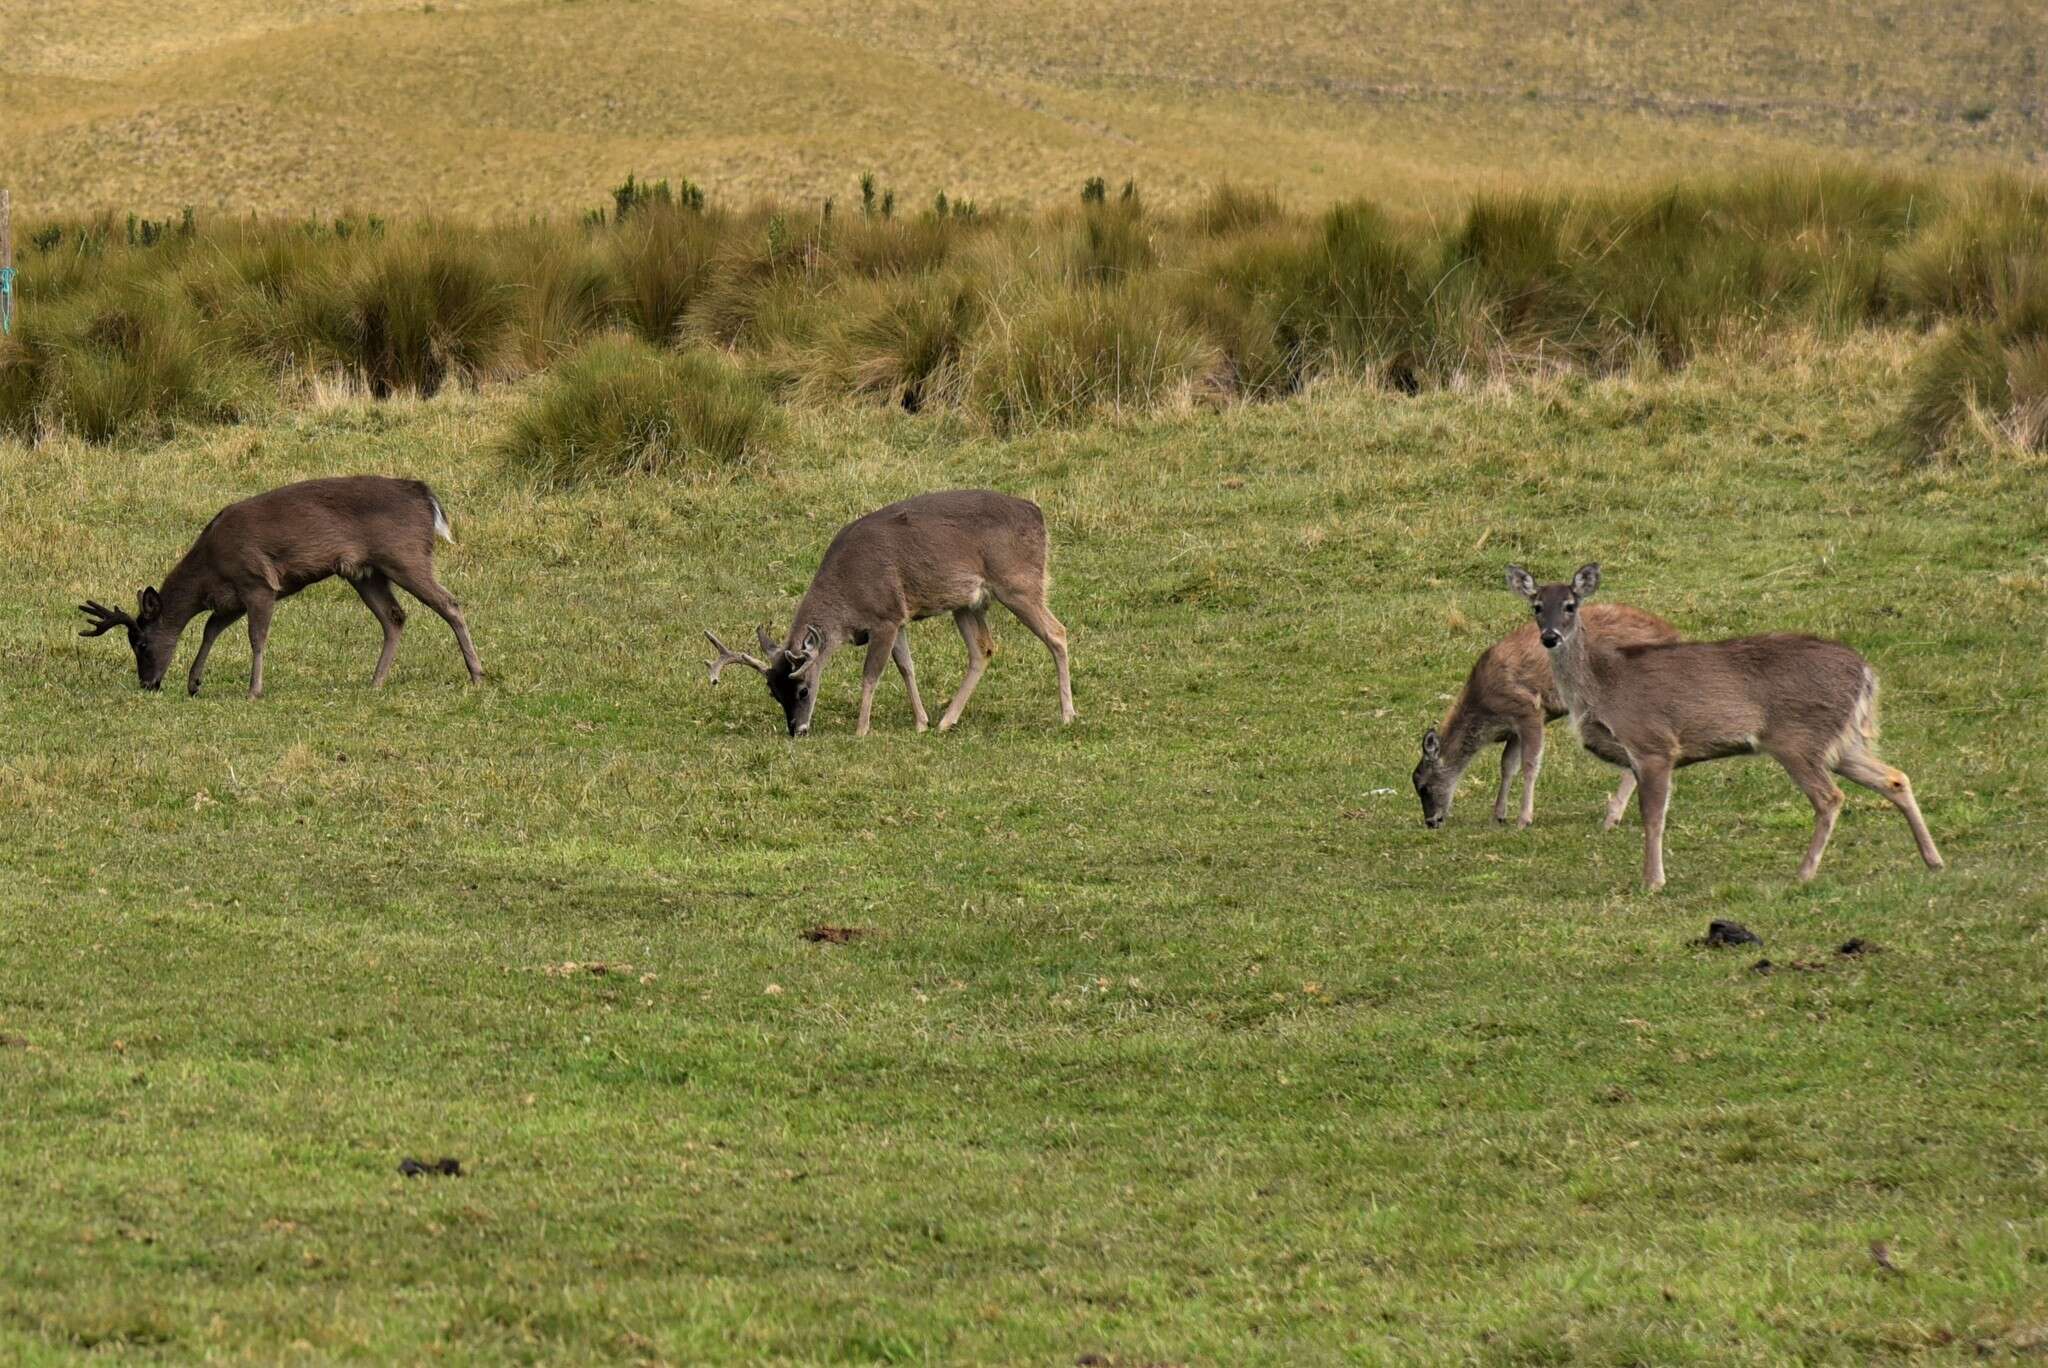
(1509, 697)
(1809, 704)
(372, 531)
(949, 552)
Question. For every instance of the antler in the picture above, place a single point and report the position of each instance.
(728, 657)
(104, 619)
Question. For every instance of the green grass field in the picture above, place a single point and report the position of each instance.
(1177, 1038)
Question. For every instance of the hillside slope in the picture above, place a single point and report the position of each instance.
(492, 106)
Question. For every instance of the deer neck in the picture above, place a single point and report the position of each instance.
(1572, 665)
(1462, 735)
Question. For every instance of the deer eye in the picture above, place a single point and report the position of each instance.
(1571, 607)
(1537, 609)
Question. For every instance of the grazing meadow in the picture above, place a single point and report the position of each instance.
(1168, 1037)
(584, 1017)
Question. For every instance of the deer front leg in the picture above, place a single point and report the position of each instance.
(1510, 766)
(881, 645)
(1532, 762)
(260, 606)
(901, 652)
(216, 623)
(1653, 797)
(1618, 804)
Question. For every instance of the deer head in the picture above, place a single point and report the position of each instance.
(788, 670)
(1556, 606)
(1435, 781)
(153, 648)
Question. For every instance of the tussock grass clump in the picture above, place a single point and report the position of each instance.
(128, 361)
(424, 311)
(620, 407)
(900, 341)
(568, 291)
(662, 259)
(1065, 357)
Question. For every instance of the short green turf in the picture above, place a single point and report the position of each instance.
(1177, 1038)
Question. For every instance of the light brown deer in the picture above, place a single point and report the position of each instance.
(372, 531)
(949, 552)
(1809, 704)
(1509, 697)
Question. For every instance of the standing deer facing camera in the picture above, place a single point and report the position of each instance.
(949, 552)
(1809, 704)
(372, 531)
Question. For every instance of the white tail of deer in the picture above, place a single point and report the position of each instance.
(1809, 704)
(949, 552)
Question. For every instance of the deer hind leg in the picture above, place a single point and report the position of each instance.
(1618, 804)
(216, 623)
(881, 645)
(1860, 766)
(260, 604)
(419, 581)
(375, 590)
(1028, 603)
(1532, 762)
(1510, 766)
(980, 645)
(1819, 787)
(901, 651)
(1653, 797)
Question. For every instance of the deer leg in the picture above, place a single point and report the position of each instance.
(901, 651)
(881, 644)
(1532, 762)
(1862, 767)
(216, 623)
(1814, 780)
(375, 591)
(1510, 766)
(1031, 610)
(260, 605)
(1654, 796)
(974, 631)
(422, 585)
(1618, 804)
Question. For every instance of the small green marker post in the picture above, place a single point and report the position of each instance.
(6, 262)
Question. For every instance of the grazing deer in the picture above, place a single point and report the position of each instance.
(949, 552)
(372, 531)
(1809, 704)
(1509, 697)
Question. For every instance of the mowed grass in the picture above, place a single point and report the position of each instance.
(489, 107)
(1177, 1038)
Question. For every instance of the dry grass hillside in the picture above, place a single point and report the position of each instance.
(494, 106)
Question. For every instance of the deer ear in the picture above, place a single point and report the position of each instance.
(1587, 579)
(813, 639)
(1431, 747)
(1521, 581)
(150, 603)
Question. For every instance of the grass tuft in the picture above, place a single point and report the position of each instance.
(619, 407)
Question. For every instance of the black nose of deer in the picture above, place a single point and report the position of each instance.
(1550, 639)
(1433, 822)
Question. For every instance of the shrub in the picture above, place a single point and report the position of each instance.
(1364, 285)
(1228, 210)
(620, 407)
(1251, 297)
(567, 292)
(1068, 355)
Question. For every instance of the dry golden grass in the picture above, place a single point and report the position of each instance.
(489, 107)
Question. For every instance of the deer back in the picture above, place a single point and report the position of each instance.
(298, 534)
(923, 556)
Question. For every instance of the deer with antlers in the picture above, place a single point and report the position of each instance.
(1809, 704)
(949, 552)
(372, 531)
